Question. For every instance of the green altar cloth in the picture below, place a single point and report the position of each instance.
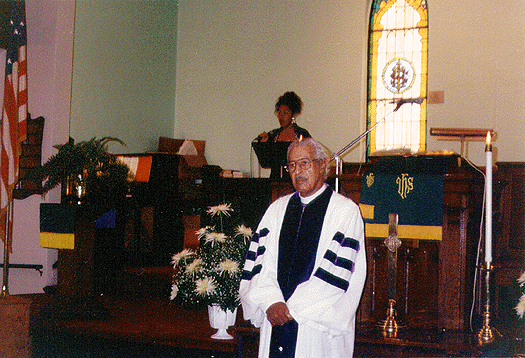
(411, 187)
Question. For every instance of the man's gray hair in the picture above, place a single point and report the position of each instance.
(318, 151)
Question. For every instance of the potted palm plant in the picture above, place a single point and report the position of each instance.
(88, 172)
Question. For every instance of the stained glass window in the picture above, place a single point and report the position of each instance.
(397, 75)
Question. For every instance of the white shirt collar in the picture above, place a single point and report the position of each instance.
(308, 199)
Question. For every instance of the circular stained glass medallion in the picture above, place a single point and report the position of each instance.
(398, 75)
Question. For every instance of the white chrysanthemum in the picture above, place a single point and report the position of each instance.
(181, 256)
(244, 231)
(205, 286)
(216, 237)
(194, 266)
(521, 280)
(222, 209)
(520, 308)
(228, 266)
(202, 231)
(174, 291)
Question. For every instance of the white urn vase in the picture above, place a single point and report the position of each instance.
(221, 319)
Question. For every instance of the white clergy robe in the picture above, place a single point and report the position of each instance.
(325, 305)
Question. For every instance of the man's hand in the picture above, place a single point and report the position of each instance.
(278, 314)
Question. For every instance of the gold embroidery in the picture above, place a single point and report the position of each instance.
(404, 185)
(370, 180)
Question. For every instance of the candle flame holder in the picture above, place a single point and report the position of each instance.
(487, 334)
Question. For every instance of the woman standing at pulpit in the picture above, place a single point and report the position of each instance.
(287, 108)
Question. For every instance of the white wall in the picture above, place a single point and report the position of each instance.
(477, 56)
(234, 58)
(124, 71)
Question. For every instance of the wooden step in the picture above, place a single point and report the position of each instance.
(153, 281)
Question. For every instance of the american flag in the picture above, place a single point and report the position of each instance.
(14, 113)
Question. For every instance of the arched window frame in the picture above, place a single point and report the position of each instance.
(398, 39)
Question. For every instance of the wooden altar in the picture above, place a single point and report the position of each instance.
(434, 278)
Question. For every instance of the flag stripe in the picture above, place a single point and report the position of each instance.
(14, 112)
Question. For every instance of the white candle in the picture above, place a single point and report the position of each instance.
(488, 206)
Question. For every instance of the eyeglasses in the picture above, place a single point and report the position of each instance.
(305, 164)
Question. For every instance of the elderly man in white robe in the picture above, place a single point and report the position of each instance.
(306, 265)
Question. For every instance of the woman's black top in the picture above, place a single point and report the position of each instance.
(274, 133)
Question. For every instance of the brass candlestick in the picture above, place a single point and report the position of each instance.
(389, 325)
(487, 334)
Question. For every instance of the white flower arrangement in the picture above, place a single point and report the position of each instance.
(212, 274)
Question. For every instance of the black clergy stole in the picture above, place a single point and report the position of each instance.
(299, 239)
(298, 242)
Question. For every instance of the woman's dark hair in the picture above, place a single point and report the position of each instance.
(291, 100)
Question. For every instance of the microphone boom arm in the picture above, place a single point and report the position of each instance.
(398, 105)
(352, 143)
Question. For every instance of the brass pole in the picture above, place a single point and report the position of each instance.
(487, 334)
(392, 242)
(7, 236)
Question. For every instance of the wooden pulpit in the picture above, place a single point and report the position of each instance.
(435, 278)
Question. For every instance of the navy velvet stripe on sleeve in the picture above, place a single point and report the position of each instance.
(331, 279)
(351, 243)
(252, 255)
(339, 261)
(336, 259)
(248, 275)
(255, 237)
(346, 241)
(339, 237)
(264, 232)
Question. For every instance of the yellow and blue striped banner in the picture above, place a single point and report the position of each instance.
(57, 226)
